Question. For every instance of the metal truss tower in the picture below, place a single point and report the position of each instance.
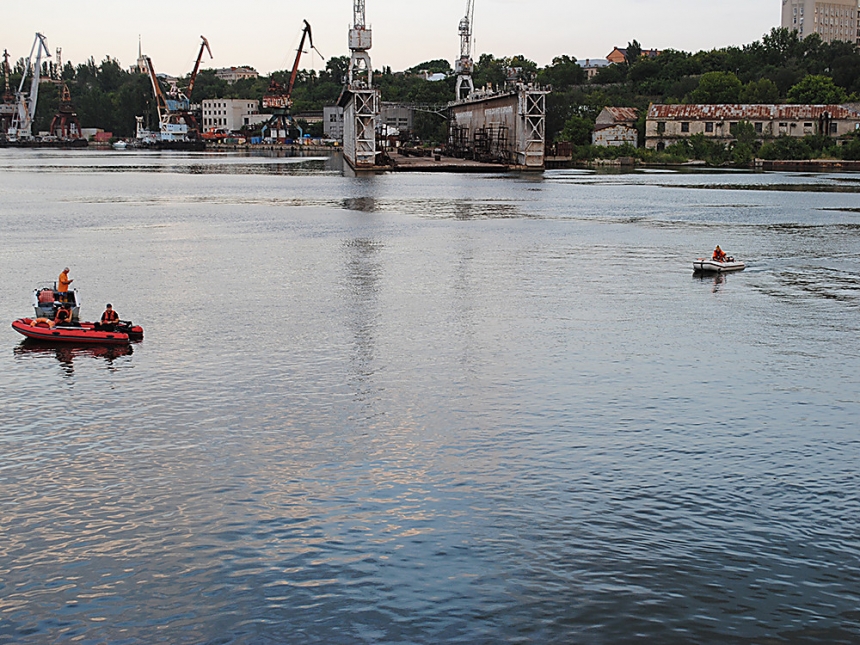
(360, 100)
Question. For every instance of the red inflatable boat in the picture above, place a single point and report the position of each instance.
(81, 333)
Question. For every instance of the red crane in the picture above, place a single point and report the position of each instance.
(279, 97)
(204, 44)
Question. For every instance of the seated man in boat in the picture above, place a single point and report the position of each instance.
(63, 317)
(719, 254)
(109, 319)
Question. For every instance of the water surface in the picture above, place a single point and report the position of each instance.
(428, 408)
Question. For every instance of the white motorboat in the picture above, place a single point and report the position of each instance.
(707, 265)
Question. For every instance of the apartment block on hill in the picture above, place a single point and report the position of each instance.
(831, 20)
(233, 74)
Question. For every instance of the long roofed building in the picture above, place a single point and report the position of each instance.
(668, 124)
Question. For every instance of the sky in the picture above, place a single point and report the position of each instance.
(265, 33)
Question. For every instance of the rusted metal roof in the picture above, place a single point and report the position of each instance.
(623, 114)
(763, 112)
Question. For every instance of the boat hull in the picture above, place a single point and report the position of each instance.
(82, 334)
(712, 266)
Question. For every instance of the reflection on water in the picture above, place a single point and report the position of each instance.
(363, 276)
(66, 353)
(717, 279)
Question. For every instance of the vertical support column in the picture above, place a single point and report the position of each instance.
(531, 142)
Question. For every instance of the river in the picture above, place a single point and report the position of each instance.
(427, 408)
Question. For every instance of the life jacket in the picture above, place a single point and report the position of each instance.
(63, 315)
(110, 316)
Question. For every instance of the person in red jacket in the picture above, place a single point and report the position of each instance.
(719, 254)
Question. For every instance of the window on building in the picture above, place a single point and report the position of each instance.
(709, 126)
(834, 128)
(661, 127)
(685, 126)
(758, 128)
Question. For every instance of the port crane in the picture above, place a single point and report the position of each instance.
(279, 98)
(22, 120)
(176, 123)
(464, 65)
(203, 44)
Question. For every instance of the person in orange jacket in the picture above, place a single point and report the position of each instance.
(64, 281)
(63, 317)
(719, 254)
(109, 319)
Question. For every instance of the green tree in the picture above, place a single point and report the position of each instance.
(634, 52)
(717, 87)
(763, 90)
(564, 72)
(817, 90)
(611, 74)
(490, 70)
(437, 66)
(786, 148)
(577, 130)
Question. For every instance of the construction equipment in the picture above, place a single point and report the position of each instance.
(464, 65)
(279, 98)
(360, 40)
(177, 124)
(359, 99)
(22, 121)
(203, 44)
(65, 125)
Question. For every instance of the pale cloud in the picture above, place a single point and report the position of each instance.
(265, 33)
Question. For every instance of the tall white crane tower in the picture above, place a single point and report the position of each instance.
(359, 99)
(22, 122)
(464, 65)
(360, 40)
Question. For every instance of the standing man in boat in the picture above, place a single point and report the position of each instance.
(109, 319)
(64, 281)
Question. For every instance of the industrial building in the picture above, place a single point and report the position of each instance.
(333, 122)
(616, 126)
(832, 20)
(506, 127)
(231, 114)
(668, 124)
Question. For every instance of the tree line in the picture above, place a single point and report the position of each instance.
(780, 67)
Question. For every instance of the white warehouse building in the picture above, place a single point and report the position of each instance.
(230, 114)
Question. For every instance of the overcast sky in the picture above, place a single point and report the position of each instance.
(265, 33)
